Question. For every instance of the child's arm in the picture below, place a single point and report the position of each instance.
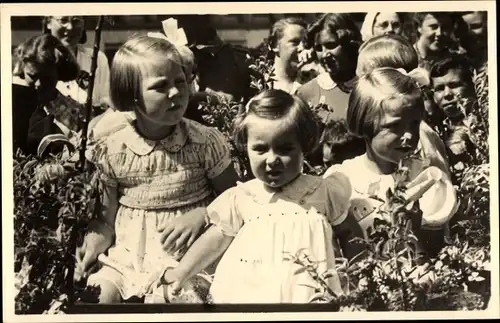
(205, 250)
(345, 232)
(100, 233)
(344, 223)
(222, 175)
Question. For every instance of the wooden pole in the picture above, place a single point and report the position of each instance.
(90, 91)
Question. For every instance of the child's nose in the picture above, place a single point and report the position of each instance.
(272, 159)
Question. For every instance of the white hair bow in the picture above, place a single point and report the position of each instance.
(419, 74)
(172, 33)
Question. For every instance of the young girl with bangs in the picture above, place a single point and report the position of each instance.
(155, 170)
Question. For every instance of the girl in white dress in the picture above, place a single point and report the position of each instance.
(259, 224)
(386, 108)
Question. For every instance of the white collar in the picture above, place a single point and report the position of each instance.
(325, 81)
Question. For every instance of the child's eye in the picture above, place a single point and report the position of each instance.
(259, 148)
(286, 148)
(439, 88)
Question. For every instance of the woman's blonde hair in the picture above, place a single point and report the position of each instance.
(376, 92)
(133, 57)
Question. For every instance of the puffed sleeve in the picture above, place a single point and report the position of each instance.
(223, 212)
(339, 194)
(98, 155)
(217, 153)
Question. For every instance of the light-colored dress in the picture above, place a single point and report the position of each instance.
(157, 181)
(268, 227)
(369, 187)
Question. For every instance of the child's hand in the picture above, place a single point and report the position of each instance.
(183, 230)
(97, 240)
(169, 279)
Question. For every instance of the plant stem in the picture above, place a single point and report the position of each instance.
(90, 91)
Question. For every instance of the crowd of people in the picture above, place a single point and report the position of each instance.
(173, 203)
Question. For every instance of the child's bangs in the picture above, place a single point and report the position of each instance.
(155, 63)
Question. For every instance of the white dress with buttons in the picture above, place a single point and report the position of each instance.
(269, 226)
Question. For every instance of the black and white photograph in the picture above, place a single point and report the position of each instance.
(249, 160)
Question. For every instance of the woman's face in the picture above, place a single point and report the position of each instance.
(387, 23)
(68, 29)
(290, 45)
(435, 32)
(334, 57)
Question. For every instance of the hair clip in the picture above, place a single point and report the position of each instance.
(419, 74)
(174, 35)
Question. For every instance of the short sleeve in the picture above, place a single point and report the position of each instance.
(217, 153)
(223, 212)
(98, 155)
(339, 194)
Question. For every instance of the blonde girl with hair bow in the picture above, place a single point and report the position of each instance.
(158, 172)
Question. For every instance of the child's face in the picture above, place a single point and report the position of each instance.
(290, 45)
(165, 94)
(275, 153)
(68, 29)
(387, 23)
(435, 33)
(398, 132)
(447, 90)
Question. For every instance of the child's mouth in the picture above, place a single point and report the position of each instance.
(273, 174)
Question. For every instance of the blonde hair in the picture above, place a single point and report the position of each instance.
(133, 57)
(375, 93)
(386, 51)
